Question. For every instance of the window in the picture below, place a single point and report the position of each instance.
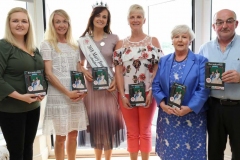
(164, 15)
(5, 7)
(79, 13)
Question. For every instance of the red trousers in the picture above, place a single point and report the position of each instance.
(138, 122)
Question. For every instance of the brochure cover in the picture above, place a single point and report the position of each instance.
(78, 82)
(213, 75)
(176, 95)
(35, 82)
(137, 95)
(100, 78)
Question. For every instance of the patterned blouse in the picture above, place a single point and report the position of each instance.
(138, 59)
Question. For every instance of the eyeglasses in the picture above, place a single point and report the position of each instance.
(228, 21)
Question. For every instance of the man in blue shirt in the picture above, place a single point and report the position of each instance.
(224, 111)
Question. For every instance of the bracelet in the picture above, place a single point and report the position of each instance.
(123, 97)
(150, 88)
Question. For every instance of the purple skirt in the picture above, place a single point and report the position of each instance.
(106, 125)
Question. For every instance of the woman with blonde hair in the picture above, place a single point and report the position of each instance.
(65, 113)
(139, 52)
(19, 111)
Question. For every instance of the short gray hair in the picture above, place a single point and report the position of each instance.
(136, 7)
(182, 29)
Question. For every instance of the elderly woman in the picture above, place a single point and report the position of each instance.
(181, 132)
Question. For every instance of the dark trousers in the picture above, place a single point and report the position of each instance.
(223, 121)
(19, 131)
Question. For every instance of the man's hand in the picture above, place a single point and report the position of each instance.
(231, 76)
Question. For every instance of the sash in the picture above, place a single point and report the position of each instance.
(95, 58)
(93, 54)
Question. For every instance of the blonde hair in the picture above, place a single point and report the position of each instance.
(51, 35)
(29, 38)
(182, 29)
(134, 8)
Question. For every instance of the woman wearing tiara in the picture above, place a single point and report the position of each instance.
(105, 119)
(65, 113)
(142, 53)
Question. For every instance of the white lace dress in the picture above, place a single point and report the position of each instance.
(61, 114)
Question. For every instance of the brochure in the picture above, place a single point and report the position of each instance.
(213, 75)
(35, 82)
(100, 78)
(176, 95)
(137, 95)
(78, 82)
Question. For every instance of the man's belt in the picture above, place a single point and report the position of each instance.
(226, 102)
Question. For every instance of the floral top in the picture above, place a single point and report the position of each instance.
(138, 59)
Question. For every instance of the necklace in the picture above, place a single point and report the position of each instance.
(102, 43)
(181, 59)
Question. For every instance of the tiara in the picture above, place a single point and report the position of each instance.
(101, 4)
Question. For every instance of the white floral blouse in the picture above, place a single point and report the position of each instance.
(138, 59)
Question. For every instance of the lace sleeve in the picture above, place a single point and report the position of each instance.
(78, 55)
(46, 51)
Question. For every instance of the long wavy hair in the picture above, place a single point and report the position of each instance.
(29, 38)
(51, 35)
(90, 25)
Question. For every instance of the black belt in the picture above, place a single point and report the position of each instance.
(226, 102)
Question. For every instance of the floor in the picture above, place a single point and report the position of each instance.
(116, 158)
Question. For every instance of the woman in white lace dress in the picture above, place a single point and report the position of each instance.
(65, 112)
(136, 57)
